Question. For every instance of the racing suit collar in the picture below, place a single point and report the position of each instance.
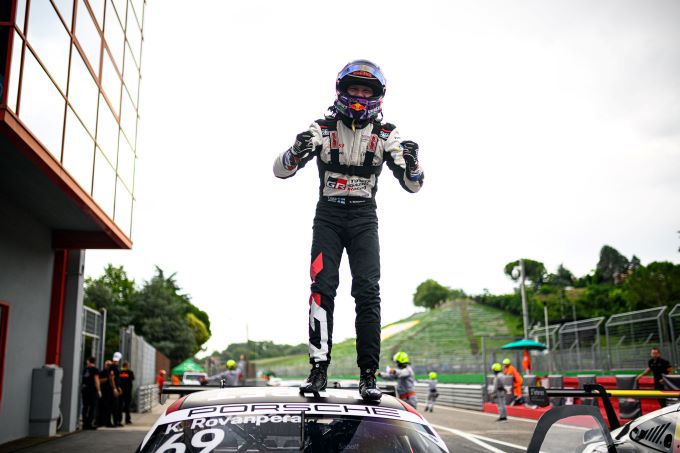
(347, 121)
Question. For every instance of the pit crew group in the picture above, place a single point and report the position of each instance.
(106, 393)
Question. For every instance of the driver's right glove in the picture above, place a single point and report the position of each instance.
(301, 148)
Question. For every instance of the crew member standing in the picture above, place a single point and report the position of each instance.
(229, 377)
(116, 390)
(91, 392)
(160, 380)
(105, 402)
(243, 366)
(658, 367)
(498, 392)
(433, 394)
(510, 370)
(126, 378)
(405, 377)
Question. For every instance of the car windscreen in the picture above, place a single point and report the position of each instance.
(291, 432)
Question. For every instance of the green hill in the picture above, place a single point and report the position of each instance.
(447, 337)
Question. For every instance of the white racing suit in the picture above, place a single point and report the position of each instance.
(349, 161)
(406, 384)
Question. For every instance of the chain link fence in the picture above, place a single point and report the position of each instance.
(142, 358)
(674, 328)
(631, 335)
(576, 346)
(547, 336)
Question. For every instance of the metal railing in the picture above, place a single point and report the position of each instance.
(147, 397)
(467, 396)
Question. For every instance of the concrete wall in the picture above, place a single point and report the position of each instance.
(72, 340)
(26, 262)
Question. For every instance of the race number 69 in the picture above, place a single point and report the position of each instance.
(207, 439)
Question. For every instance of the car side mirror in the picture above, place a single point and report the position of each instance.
(593, 435)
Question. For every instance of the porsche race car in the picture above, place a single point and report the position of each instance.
(264, 419)
(583, 429)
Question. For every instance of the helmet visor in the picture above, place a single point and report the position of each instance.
(363, 70)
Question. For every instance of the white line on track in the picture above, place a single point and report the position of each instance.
(480, 440)
(486, 414)
(471, 438)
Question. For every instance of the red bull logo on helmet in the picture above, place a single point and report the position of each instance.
(357, 106)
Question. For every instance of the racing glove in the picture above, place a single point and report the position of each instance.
(410, 150)
(301, 148)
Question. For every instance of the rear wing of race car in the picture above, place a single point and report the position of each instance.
(541, 397)
(187, 389)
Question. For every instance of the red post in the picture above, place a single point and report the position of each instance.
(4, 324)
(53, 353)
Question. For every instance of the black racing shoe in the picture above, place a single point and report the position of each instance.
(367, 387)
(317, 380)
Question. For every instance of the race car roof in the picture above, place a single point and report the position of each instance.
(255, 395)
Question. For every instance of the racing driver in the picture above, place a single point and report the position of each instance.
(350, 145)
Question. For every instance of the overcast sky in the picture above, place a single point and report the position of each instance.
(547, 129)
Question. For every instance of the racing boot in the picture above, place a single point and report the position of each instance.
(367, 387)
(317, 380)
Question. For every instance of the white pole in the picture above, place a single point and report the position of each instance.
(525, 313)
(547, 337)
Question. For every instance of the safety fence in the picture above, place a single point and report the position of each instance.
(674, 330)
(467, 396)
(94, 335)
(549, 336)
(142, 358)
(140, 354)
(147, 397)
(631, 335)
(621, 342)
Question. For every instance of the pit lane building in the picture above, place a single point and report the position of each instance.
(69, 97)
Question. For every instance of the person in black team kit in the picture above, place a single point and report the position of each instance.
(91, 392)
(350, 146)
(658, 367)
(105, 402)
(116, 401)
(126, 378)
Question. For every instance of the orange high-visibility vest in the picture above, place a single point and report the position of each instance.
(517, 382)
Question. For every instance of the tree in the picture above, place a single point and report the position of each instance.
(652, 286)
(201, 332)
(634, 264)
(534, 271)
(430, 294)
(112, 291)
(159, 314)
(164, 316)
(562, 277)
(254, 350)
(611, 264)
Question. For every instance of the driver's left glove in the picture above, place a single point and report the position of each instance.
(410, 150)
